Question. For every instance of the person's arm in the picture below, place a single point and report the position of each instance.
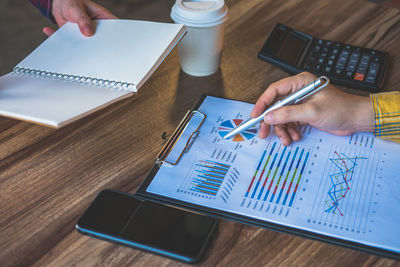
(386, 108)
(45, 7)
(330, 110)
(81, 12)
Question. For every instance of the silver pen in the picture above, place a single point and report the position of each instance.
(293, 98)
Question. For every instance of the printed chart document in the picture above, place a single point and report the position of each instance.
(341, 187)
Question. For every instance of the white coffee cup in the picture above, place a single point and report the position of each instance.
(200, 50)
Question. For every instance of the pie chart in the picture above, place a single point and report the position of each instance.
(226, 126)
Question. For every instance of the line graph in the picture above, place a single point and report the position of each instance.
(340, 180)
(343, 198)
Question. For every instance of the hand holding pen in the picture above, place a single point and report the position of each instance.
(330, 110)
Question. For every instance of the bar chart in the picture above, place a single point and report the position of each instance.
(206, 177)
(278, 174)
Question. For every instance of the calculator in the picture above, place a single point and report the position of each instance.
(346, 65)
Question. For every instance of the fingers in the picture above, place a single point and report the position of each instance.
(279, 89)
(77, 13)
(48, 31)
(293, 132)
(282, 134)
(287, 133)
(303, 113)
(264, 130)
(96, 11)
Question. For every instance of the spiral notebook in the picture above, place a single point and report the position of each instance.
(70, 76)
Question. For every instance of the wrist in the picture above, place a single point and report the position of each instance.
(364, 115)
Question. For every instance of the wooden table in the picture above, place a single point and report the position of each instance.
(49, 177)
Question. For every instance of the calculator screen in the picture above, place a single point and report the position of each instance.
(292, 48)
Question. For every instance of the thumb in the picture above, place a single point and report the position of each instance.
(293, 113)
(79, 15)
(48, 31)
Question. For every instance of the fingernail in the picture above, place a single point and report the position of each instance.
(87, 30)
(269, 118)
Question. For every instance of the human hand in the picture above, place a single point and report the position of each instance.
(78, 11)
(329, 110)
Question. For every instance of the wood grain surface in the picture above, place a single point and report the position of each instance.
(49, 177)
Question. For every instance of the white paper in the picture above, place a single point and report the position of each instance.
(120, 50)
(343, 187)
(51, 102)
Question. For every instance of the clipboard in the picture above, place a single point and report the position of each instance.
(181, 140)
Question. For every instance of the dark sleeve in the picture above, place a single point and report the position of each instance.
(45, 7)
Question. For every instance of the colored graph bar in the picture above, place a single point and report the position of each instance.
(287, 175)
(280, 177)
(267, 177)
(294, 175)
(263, 170)
(209, 177)
(255, 174)
(298, 179)
(276, 171)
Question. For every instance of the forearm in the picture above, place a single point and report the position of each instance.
(386, 109)
(45, 7)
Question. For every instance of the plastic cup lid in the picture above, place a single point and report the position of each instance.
(199, 13)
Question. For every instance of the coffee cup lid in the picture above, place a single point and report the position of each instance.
(199, 13)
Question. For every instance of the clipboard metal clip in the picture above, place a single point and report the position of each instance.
(180, 140)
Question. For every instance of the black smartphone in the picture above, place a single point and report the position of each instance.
(168, 231)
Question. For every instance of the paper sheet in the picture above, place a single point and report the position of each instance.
(343, 187)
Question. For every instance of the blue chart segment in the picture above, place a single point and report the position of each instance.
(208, 177)
(344, 195)
(226, 126)
(278, 174)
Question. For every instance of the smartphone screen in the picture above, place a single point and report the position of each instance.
(161, 229)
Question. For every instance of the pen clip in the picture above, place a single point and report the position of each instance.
(316, 88)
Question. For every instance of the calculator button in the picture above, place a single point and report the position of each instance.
(330, 62)
(339, 65)
(359, 77)
(349, 74)
(370, 78)
(376, 59)
(374, 66)
(328, 43)
(355, 54)
(325, 49)
(335, 51)
(348, 47)
(362, 70)
(372, 52)
(372, 72)
(318, 67)
(317, 48)
(351, 67)
(333, 57)
(328, 69)
(320, 42)
(339, 71)
(321, 60)
(365, 58)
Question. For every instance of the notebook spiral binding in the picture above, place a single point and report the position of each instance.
(121, 86)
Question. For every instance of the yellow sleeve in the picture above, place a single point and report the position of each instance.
(386, 108)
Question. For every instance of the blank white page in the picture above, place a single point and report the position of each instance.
(51, 102)
(120, 50)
